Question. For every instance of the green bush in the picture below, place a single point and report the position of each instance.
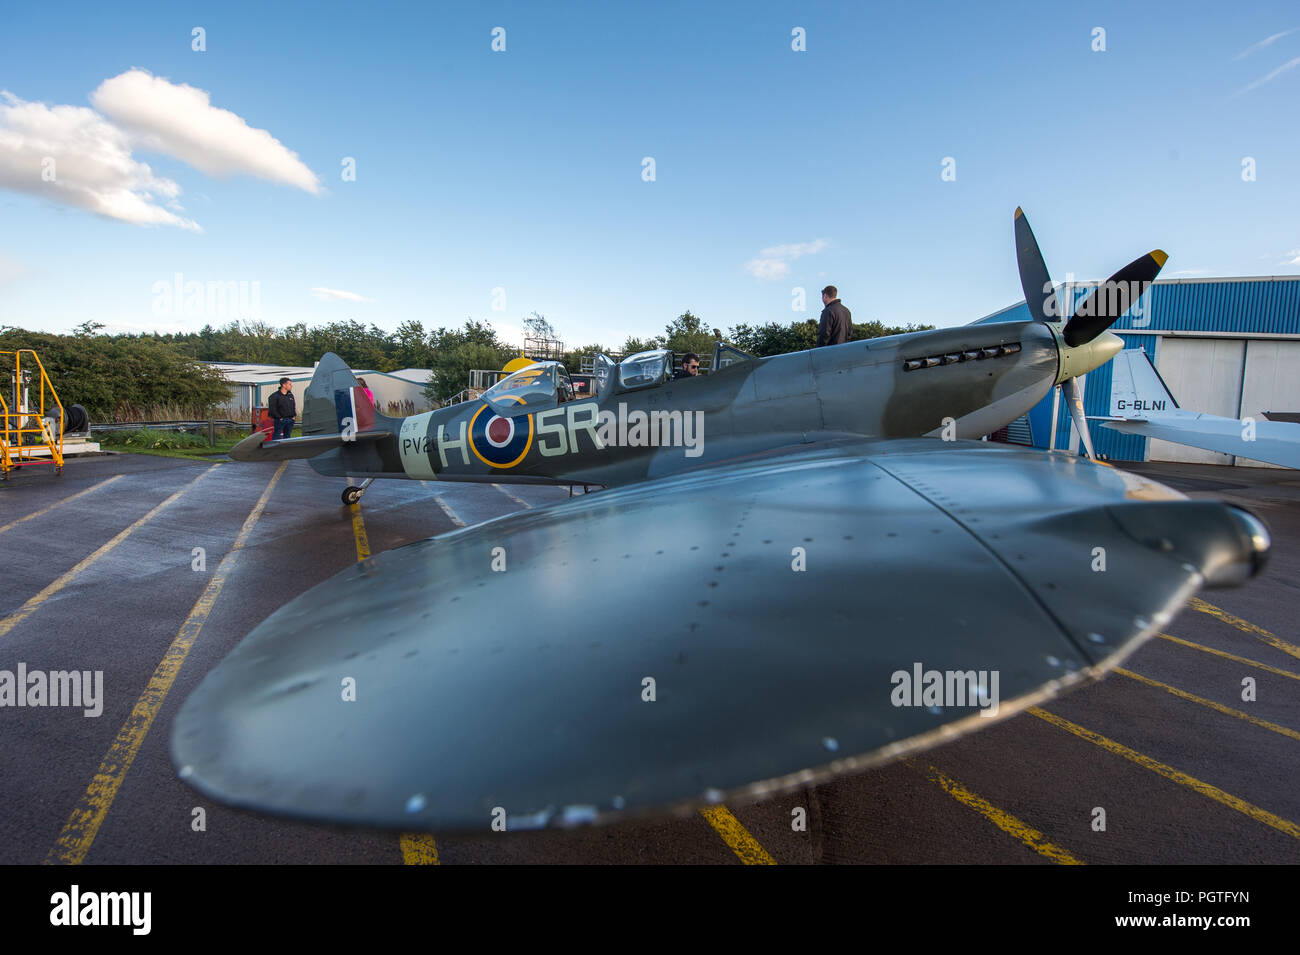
(103, 373)
(156, 440)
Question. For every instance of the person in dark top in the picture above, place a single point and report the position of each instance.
(836, 325)
(690, 366)
(283, 409)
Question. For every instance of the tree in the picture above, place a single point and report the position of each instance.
(573, 359)
(536, 326)
(686, 333)
(413, 350)
(123, 375)
(775, 338)
(457, 351)
(634, 345)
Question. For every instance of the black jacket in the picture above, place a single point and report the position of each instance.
(282, 405)
(836, 325)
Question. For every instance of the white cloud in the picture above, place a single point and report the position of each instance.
(774, 261)
(1267, 41)
(767, 268)
(326, 294)
(91, 168)
(1295, 257)
(1285, 67)
(1191, 272)
(181, 121)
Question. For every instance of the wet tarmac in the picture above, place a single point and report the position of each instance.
(113, 566)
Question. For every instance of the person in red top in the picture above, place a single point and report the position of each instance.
(366, 389)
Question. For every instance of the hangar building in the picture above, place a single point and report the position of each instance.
(1225, 346)
(396, 393)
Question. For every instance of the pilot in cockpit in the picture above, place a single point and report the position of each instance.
(690, 366)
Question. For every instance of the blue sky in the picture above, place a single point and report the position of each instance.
(522, 170)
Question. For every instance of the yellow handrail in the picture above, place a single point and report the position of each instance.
(13, 451)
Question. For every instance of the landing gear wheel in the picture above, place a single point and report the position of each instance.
(351, 495)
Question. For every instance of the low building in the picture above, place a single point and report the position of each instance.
(396, 393)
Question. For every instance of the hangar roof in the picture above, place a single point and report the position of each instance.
(1244, 306)
(244, 374)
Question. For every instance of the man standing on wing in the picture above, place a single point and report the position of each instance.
(837, 321)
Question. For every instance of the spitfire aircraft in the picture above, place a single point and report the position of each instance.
(797, 566)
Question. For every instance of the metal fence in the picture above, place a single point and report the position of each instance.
(225, 423)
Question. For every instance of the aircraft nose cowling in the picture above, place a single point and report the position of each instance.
(1082, 359)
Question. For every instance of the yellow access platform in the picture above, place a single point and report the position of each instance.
(30, 434)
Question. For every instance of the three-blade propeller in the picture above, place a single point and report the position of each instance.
(1094, 315)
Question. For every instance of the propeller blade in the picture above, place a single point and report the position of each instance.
(1112, 298)
(1037, 284)
(1070, 388)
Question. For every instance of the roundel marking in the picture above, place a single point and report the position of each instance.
(500, 442)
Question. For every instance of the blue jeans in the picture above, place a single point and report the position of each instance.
(283, 429)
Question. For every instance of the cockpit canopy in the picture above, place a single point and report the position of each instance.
(536, 388)
(545, 384)
(645, 369)
(649, 369)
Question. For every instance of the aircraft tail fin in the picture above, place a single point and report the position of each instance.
(1136, 388)
(334, 402)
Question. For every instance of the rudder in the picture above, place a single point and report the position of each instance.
(1136, 388)
(331, 400)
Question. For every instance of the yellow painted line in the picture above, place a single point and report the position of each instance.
(1245, 626)
(737, 836)
(1008, 823)
(1217, 707)
(418, 848)
(83, 824)
(359, 532)
(1205, 789)
(514, 497)
(446, 509)
(1230, 656)
(60, 503)
(27, 609)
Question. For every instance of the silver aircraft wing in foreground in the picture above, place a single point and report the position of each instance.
(734, 631)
